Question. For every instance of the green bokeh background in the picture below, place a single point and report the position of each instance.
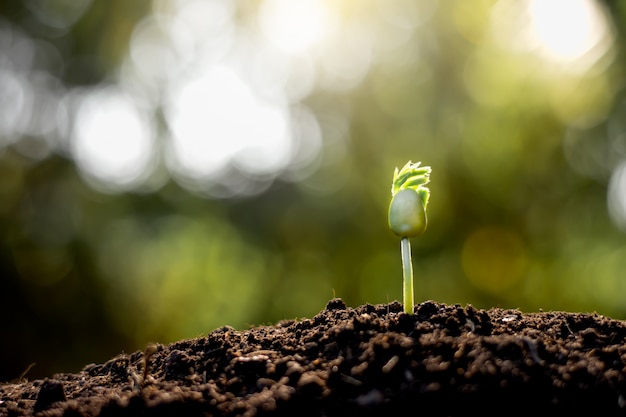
(526, 156)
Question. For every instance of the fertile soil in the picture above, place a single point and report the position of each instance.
(373, 360)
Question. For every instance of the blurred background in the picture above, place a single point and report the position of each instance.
(171, 166)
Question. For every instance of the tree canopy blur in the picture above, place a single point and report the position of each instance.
(171, 166)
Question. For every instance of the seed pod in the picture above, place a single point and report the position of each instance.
(407, 216)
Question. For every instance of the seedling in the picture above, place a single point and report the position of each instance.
(407, 217)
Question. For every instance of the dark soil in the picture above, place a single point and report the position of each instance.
(373, 360)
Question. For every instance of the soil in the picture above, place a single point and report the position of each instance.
(373, 360)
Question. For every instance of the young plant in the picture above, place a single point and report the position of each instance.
(407, 217)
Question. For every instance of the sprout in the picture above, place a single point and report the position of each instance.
(407, 217)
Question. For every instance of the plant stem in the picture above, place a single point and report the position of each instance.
(407, 274)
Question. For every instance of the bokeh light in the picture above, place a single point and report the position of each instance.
(58, 14)
(216, 120)
(507, 258)
(617, 196)
(296, 25)
(575, 40)
(16, 100)
(570, 36)
(112, 140)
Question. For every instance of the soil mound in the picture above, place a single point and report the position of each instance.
(373, 360)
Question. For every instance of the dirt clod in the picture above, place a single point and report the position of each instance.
(50, 392)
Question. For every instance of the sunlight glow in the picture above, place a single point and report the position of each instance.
(573, 34)
(347, 59)
(230, 99)
(217, 121)
(112, 140)
(566, 29)
(295, 25)
(230, 92)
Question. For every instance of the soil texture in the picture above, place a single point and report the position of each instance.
(373, 360)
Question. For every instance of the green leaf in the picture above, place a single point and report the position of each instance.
(412, 176)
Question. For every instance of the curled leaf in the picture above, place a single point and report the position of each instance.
(413, 176)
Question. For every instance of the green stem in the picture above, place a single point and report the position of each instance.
(407, 274)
